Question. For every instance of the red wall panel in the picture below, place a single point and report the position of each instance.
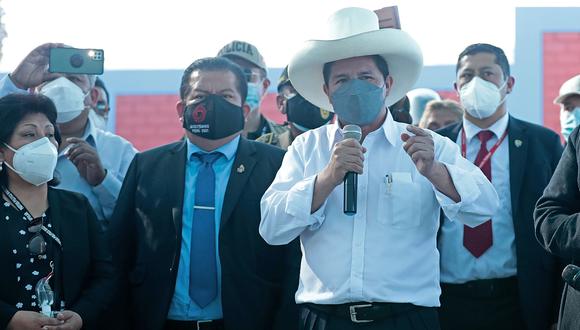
(561, 61)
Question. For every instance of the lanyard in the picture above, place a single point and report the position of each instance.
(489, 153)
(27, 214)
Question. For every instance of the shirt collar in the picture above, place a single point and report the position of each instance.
(498, 128)
(228, 150)
(389, 129)
(90, 133)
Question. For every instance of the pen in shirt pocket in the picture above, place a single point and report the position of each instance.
(389, 182)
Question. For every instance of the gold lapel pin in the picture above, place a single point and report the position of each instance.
(518, 143)
(241, 169)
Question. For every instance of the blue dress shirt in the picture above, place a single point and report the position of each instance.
(183, 308)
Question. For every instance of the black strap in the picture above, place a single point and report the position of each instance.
(26, 215)
(364, 310)
(17, 203)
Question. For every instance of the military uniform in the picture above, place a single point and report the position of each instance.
(282, 139)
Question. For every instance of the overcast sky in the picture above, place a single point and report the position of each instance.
(169, 34)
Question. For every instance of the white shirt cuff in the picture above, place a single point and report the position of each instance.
(299, 204)
(465, 186)
(107, 193)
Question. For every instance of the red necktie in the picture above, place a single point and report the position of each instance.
(479, 239)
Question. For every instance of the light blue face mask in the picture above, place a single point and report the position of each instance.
(569, 120)
(358, 102)
(254, 95)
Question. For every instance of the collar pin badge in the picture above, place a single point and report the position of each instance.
(518, 143)
(241, 169)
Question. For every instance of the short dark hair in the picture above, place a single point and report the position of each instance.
(380, 62)
(213, 64)
(14, 108)
(100, 83)
(500, 58)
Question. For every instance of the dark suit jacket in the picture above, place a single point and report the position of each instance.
(84, 266)
(258, 285)
(557, 220)
(531, 166)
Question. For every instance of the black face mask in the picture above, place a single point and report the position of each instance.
(306, 114)
(213, 117)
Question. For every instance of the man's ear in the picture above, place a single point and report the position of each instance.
(93, 97)
(265, 85)
(180, 108)
(327, 92)
(280, 104)
(246, 109)
(389, 84)
(510, 84)
(455, 88)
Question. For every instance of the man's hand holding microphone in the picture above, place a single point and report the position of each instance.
(347, 157)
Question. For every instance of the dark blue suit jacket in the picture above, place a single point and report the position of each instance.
(531, 164)
(258, 280)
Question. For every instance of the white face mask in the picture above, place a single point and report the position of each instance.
(569, 120)
(68, 98)
(35, 162)
(481, 98)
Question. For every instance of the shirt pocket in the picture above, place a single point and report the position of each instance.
(400, 201)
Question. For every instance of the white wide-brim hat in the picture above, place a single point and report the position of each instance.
(354, 32)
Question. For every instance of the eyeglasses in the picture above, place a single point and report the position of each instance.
(37, 244)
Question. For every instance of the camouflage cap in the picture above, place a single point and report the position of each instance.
(284, 79)
(244, 51)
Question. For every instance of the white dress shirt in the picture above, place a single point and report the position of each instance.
(387, 252)
(458, 265)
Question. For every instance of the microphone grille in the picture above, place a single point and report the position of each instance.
(570, 272)
(352, 132)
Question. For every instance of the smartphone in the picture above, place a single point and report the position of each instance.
(389, 18)
(76, 61)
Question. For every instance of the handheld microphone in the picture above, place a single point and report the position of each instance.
(571, 275)
(351, 178)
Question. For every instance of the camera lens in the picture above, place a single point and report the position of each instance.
(76, 61)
